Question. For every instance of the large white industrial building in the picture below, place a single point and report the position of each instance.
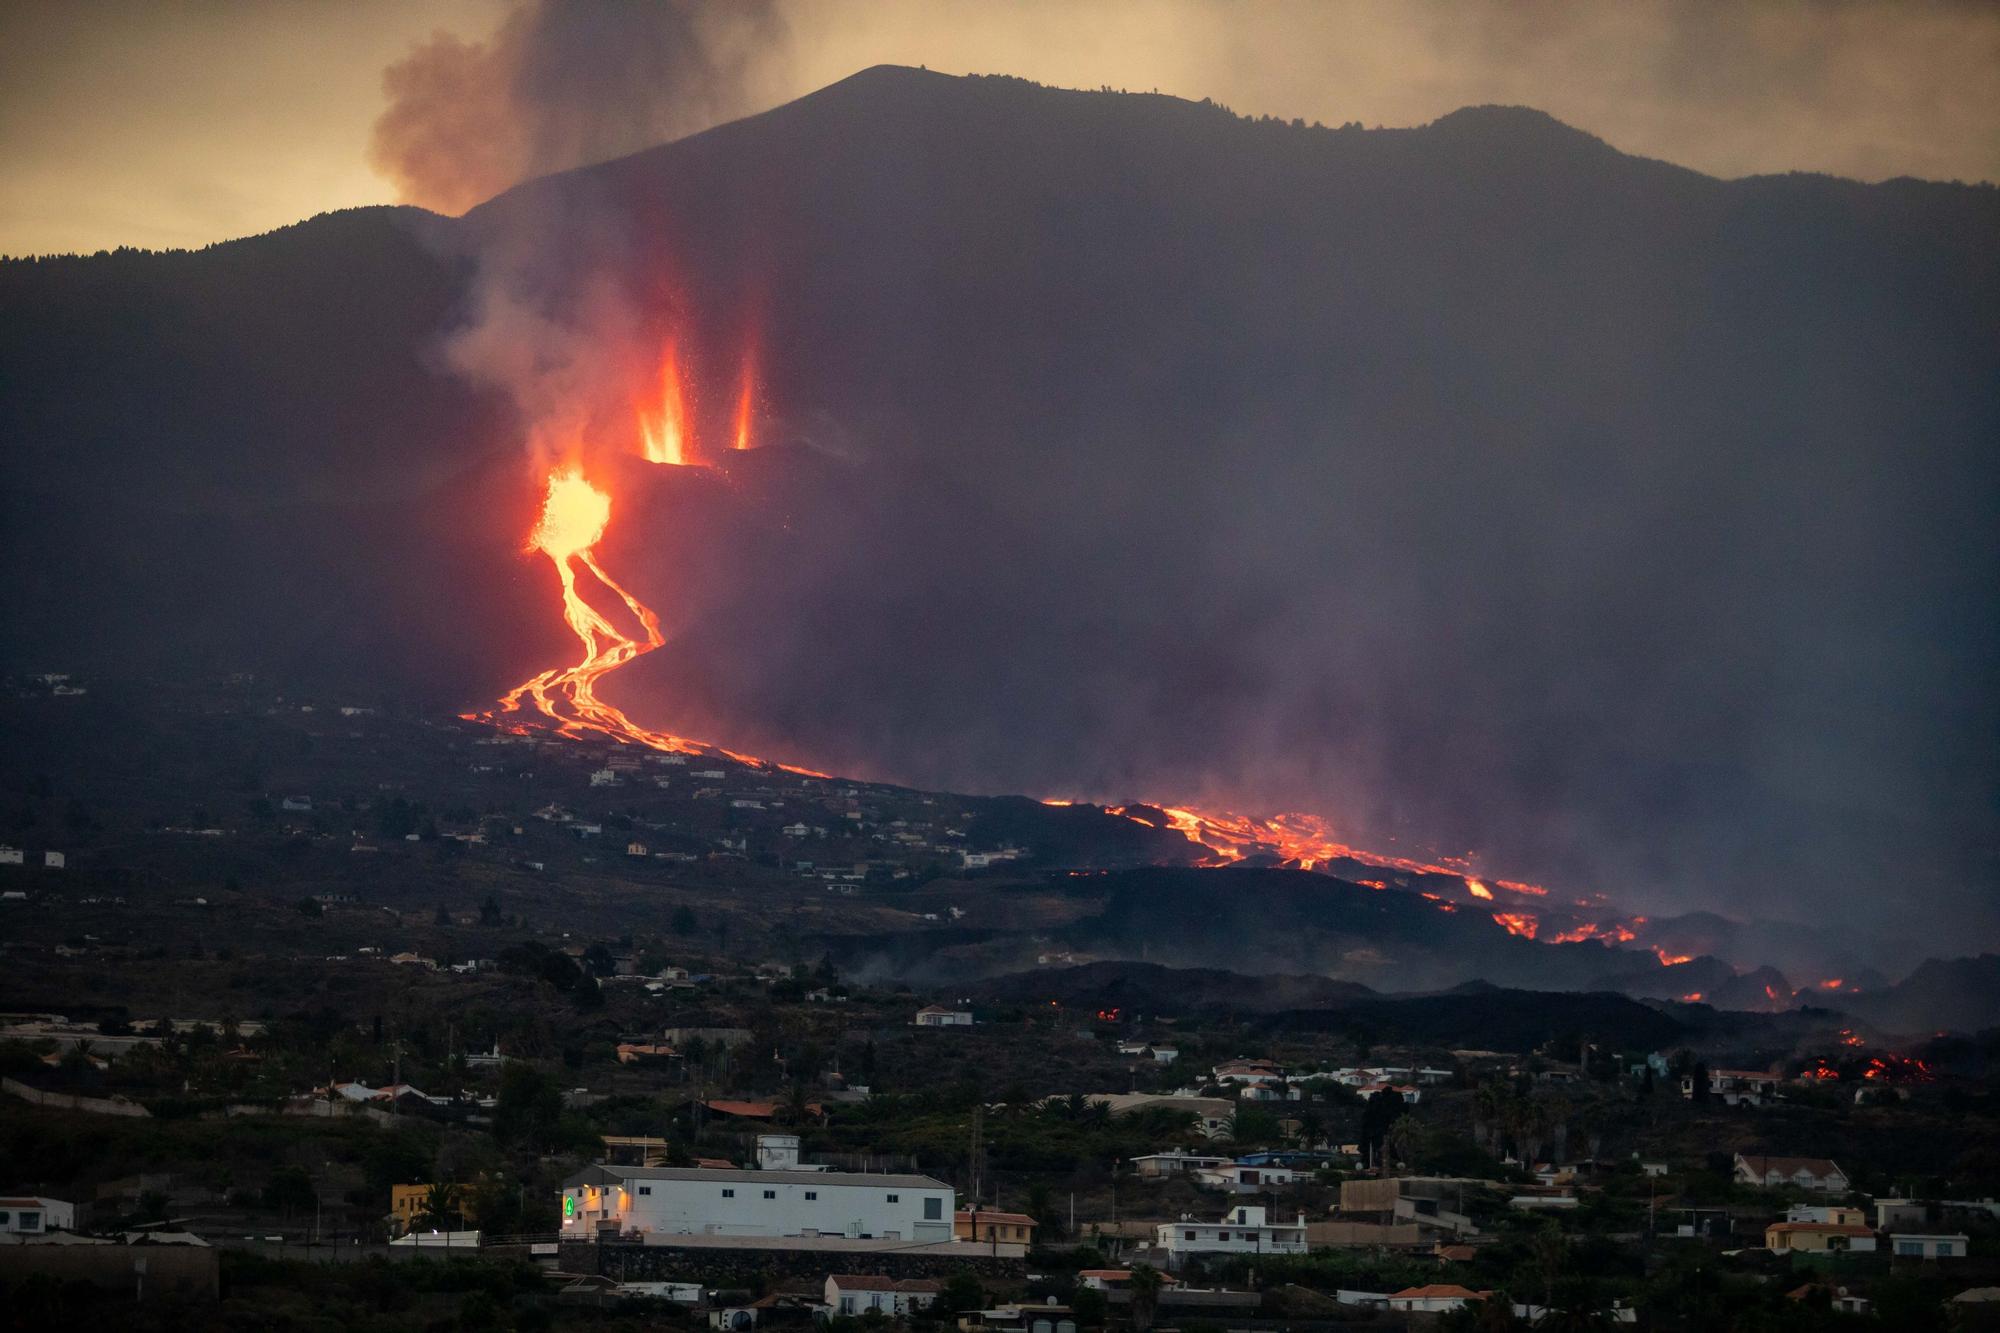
(658, 1202)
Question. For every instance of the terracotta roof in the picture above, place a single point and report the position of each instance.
(1438, 1290)
(755, 1110)
(1791, 1166)
(989, 1215)
(872, 1282)
(1820, 1229)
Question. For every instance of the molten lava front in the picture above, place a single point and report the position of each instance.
(574, 516)
(663, 428)
(613, 627)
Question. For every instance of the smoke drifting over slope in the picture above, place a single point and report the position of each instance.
(559, 85)
(1475, 485)
(1450, 505)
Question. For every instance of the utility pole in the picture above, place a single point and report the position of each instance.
(972, 1161)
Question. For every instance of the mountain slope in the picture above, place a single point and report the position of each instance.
(1475, 484)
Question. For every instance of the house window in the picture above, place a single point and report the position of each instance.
(4, 1218)
(31, 1221)
(729, 1194)
(933, 1209)
(1909, 1247)
(1222, 1235)
(1188, 1235)
(772, 1194)
(895, 1198)
(645, 1189)
(812, 1194)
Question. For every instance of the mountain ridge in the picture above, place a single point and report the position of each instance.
(1327, 470)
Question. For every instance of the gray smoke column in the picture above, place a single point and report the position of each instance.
(560, 86)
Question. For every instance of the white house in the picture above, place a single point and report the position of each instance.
(1175, 1162)
(1243, 1230)
(53, 860)
(937, 1016)
(1806, 1173)
(856, 1294)
(1836, 1214)
(780, 1152)
(694, 1201)
(31, 1215)
(1901, 1214)
(1736, 1087)
(1250, 1073)
(1238, 1178)
(1905, 1245)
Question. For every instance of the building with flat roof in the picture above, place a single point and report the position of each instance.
(1243, 1230)
(664, 1201)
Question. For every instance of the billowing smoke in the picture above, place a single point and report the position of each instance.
(561, 85)
(1469, 486)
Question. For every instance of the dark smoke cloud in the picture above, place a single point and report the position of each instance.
(1234, 536)
(561, 85)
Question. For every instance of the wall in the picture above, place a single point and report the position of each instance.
(738, 1266)
(95, 1105)
(176, 1271)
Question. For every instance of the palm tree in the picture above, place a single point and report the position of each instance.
(1400, 1140)
(441, 1207)
(1145, 1296)
(1489, 1112)
(797, 1109)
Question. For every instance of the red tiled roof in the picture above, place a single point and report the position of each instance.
(1791, 1166)
(755, 1110)
(1006, 1219)
(872, 1282)
(1437, 1290)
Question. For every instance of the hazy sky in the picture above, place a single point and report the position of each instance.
(179, 122)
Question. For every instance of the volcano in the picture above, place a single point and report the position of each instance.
(1481, 486)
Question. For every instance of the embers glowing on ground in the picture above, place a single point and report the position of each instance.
(574, 516)
(614, 627)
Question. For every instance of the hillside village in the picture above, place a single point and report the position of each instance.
(621, 1041)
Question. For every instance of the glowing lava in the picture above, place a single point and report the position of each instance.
(574, 516)
(663, 432)
(613, 627)
(745, 399)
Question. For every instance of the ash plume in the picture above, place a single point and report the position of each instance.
(561, 85)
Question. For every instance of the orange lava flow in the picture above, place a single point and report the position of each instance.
(745, 401)
(614, 628)
(663, 431)
(1301, 839)
(576, 513)
(574, 516)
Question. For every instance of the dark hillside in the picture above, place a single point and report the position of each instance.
(1476, 484)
